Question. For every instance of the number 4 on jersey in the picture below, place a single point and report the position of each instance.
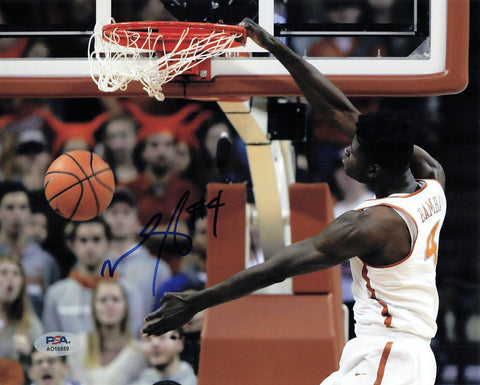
(432, 248)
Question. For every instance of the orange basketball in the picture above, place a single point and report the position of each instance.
(79, 185)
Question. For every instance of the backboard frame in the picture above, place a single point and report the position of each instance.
(265, 76)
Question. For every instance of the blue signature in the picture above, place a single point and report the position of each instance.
(151, 229)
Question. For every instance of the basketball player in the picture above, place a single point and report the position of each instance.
(391, 242)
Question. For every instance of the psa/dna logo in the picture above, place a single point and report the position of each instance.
(55, 340)
(58, 343)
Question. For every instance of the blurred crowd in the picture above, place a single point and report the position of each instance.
(50, 267)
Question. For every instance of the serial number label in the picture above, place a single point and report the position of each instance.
(58, 348)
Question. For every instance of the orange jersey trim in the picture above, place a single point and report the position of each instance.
(413, 241)
(385, 313)
(383, 363)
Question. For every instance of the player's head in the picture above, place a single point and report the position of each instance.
(383, 142)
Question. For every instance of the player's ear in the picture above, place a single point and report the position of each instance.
(374, 171)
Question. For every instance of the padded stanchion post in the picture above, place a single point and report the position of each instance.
(311, 210)
(226, 231)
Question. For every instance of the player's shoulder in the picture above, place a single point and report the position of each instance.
(373, 219)
(372, 213)
(365, 223)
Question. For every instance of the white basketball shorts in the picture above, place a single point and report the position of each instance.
(396, 359)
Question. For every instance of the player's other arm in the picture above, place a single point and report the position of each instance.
(323, 96)
(425, 166)
(354, 233)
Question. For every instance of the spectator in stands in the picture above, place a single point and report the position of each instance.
(40, 267)
(191, 276)
(70, 136)
(192, 338)
(232, 163)
(25, 155)
(346, 12)
(187, 163)
(67, 302)
(45, 369)
(15, 46)
(192, 273)
(395, 12)
(159, 188)
(153, 10)
(32, 155)
(19, 325)
(111, 354)
(37, 48)
(37, 226)
(163, 354)
(119, 140)
(25, 152)
(135, 266)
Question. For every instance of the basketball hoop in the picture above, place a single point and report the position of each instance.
(155, 52)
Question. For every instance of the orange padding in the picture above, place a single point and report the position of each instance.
(226, 251)
(269, 339)
(311, 210)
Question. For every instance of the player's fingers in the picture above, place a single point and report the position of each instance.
(166, 297)
(246, 23)
(153, 315)
(154, 330)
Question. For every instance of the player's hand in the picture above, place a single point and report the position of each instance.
(175, 311)
(255, 32)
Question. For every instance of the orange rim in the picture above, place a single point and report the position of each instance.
(166, 34)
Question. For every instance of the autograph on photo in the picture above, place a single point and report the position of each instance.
(152, 229)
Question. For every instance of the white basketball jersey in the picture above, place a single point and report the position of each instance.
(403, 296)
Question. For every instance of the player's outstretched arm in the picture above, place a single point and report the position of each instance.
(324, 97)
(424, 166)
(354, 233)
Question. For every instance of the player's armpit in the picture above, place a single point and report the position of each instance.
(348, 236)
(378, 235)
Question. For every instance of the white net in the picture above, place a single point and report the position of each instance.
(121, 56)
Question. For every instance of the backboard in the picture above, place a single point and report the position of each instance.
(419, 47)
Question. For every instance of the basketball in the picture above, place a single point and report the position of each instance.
(79, 185)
